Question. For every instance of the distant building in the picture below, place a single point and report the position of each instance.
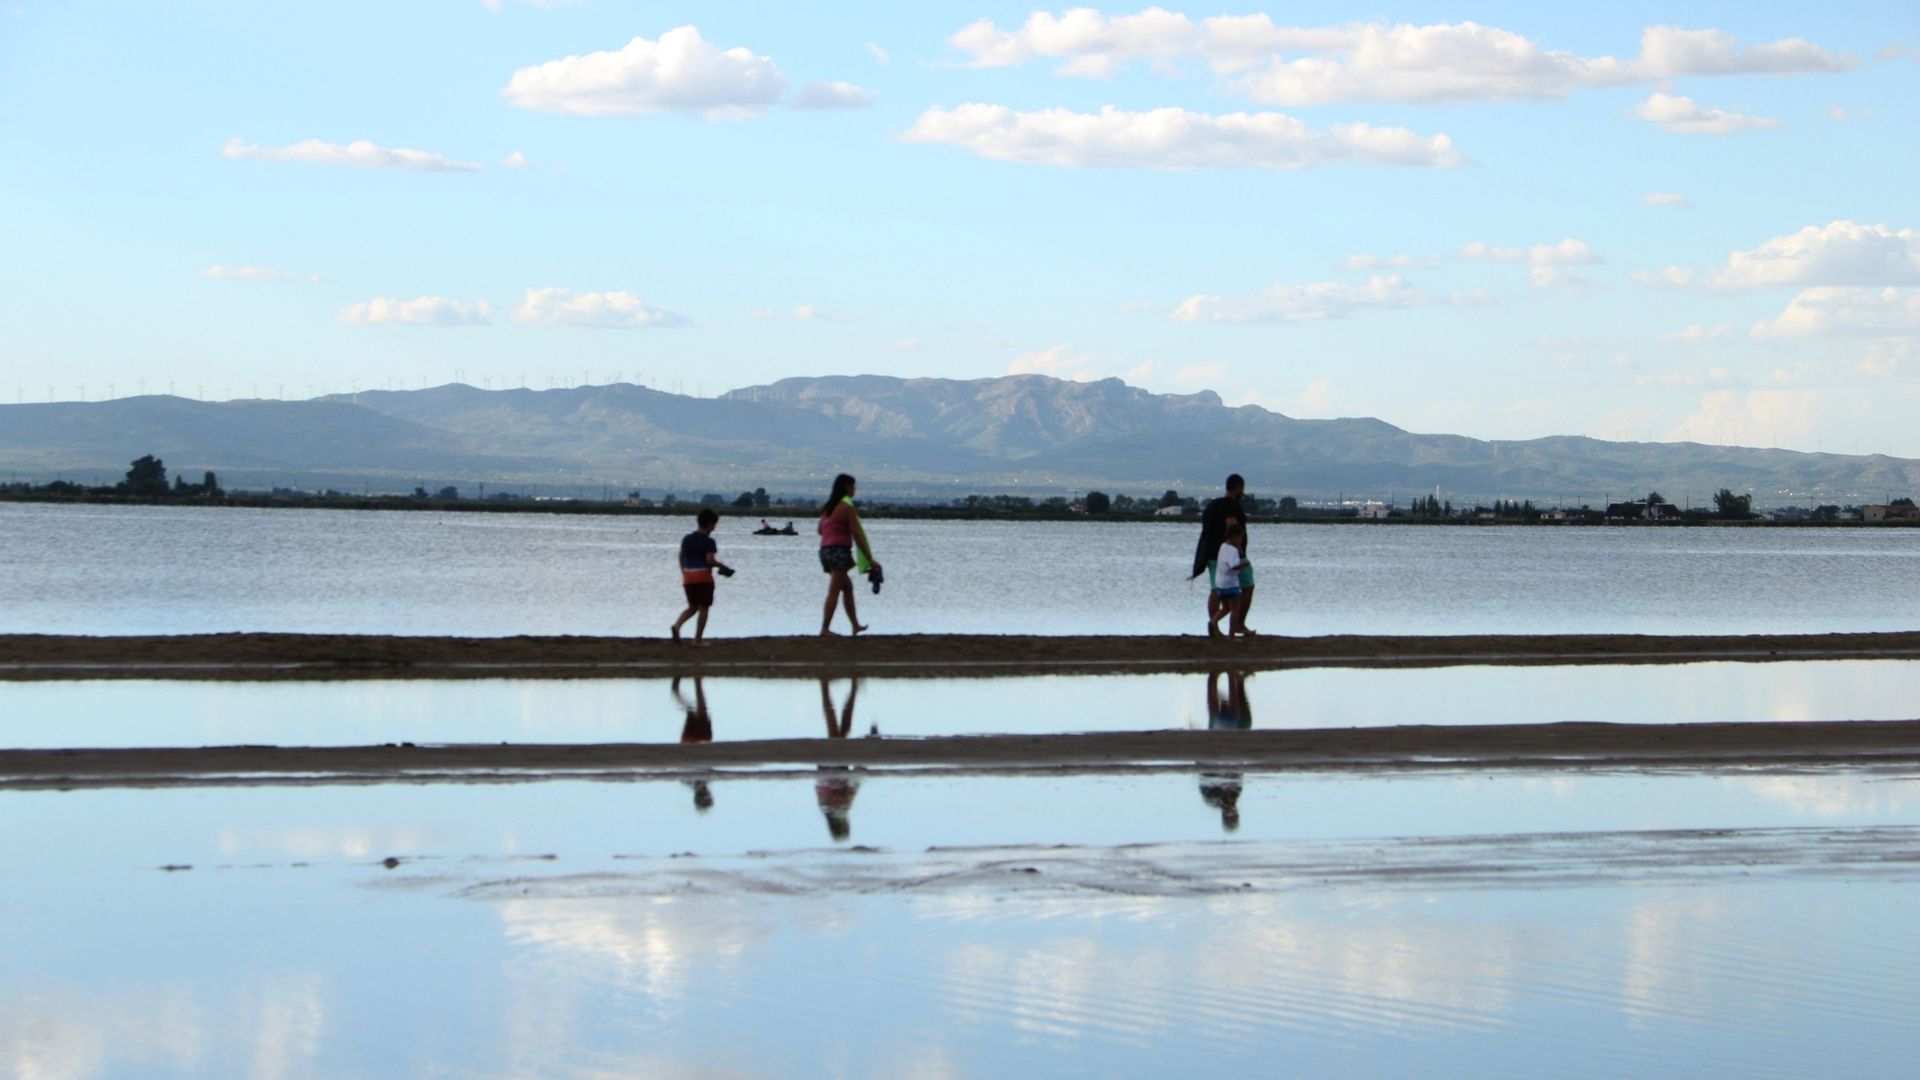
(1373, 508)
(1642, 511)
(1170, 511)
(1900, 511)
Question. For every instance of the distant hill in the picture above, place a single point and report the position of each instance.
(928, 437)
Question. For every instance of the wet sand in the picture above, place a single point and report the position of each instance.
(263, 656)
(1524, 746)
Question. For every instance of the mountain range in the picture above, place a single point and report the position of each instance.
(925, 438)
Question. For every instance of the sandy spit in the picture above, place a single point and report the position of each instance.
(1528, 746)
(260, 656)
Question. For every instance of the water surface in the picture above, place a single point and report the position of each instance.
(136, 570)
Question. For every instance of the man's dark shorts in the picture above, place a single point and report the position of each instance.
(699, 593)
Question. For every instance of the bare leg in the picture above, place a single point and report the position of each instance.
(835, 584)
(700, 627)
(846, 582)
(1213, 613)
(681, 621)
(1239, 623)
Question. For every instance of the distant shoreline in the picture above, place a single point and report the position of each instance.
(296, 657)
(903, 511)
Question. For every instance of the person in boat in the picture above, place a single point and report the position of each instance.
(840, 534)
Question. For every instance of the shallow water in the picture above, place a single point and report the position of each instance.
(1728, 923)
(129, 570)
(359, 713)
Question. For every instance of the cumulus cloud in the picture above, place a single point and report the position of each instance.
(244, 273)
(832, 95)
(1827, 311)
(1757, 418)
(1666, 198)
(1567, 252)
(592, 310)
(1061, 362)
(1172, 139)
(1387, 262)
(803, 313)
(1838, 253)
(420, 311)
(1312, 302)
(1681, 116)
(1370, 61)
(880, 55)
(359, 154)
(516, 160)
(681, 72)
(1698, 334)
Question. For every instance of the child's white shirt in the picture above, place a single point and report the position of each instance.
(1227, 568)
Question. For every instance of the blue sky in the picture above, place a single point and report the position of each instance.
(1656, 221)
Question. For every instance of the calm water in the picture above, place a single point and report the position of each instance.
(363, 712)
(1442, 925)
(116, 570)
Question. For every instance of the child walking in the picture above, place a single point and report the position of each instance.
(1226, 575)
(699, 558)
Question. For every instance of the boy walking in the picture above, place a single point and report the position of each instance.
(699, 558)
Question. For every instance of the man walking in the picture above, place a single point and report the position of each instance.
(1213, 531)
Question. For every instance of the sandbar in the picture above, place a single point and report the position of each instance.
(271, 656)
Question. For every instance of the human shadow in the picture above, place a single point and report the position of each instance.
(1226, 711)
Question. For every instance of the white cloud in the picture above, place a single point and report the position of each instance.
(879, 54)
(1695, 377)
(1759, 418)
(1312, 302)
(1316, 399)
(832, 95)
(904, 345)
(359, 154)
(1681, 116)
(1567, 252)
(1838, 253)
(678, 73)
(1387, 262)
(593, 310)
(244, 273)
(1698, 334)
(516, 160)
(803, 313)
(1897, 52)
(1060, 362)
(420, 311)
(1667, 198)
(1173, 139)
(1371, 61)
(1827, 311)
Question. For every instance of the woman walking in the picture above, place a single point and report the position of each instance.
(840, 533)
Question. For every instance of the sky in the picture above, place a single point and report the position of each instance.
(1633, 221)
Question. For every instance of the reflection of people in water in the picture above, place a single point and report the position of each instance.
(836, 785)
(1229, 712)
(697, 729)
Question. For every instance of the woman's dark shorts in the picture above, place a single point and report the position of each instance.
(836, 558)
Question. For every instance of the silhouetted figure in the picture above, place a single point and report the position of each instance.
(1214, 520)
(1228, 712)
(836, 785)
(697, 729)
(841, 534)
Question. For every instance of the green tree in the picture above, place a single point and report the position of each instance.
(761, 499)
(147, 477)
(1098, 502)
(1654, 499)
(1171, 498)
(1288, 504)
(743, 500)
(210, 486)
(713, 499)
(1732, 506)
(449, 493)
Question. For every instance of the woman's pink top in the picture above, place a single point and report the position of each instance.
(836, 531)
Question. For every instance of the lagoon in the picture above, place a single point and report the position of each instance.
(94, 569)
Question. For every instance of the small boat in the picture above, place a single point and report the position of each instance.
(768, 530)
